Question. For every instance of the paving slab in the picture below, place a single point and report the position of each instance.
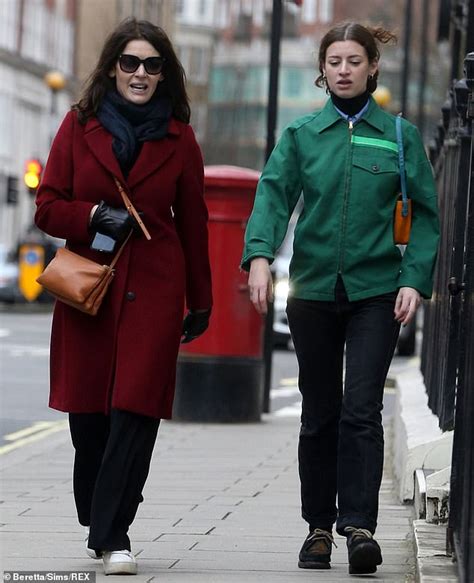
(221, 506)
(433, 564)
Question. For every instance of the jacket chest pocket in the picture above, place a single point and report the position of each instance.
(376, 163)
(375, 179)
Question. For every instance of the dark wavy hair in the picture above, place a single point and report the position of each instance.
(366, 36)
(99, 81)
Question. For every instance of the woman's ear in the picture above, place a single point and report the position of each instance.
(373, 67)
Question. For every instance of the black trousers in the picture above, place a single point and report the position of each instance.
(340, 450)
(111, 464)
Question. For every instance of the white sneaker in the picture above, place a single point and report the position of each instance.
(93, 554)
(119, 563)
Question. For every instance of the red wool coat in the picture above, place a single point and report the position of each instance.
(125, 357)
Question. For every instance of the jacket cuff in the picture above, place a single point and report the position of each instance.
(247, 259)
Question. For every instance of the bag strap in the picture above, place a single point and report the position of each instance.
(401, 165)
(131, 209)
(119, 252)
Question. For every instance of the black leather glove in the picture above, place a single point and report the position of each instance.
(114, 222)
(194, 324)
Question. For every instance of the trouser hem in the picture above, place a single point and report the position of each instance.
(357, 520)
(322, 521)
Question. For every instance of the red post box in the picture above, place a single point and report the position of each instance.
(220, 374)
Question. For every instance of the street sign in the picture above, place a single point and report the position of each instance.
(30, 266)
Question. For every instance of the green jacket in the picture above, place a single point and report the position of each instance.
(350, 182)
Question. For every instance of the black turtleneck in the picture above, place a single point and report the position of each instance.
(352, 105)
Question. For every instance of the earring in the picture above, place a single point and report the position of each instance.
(324, 78)
(370, 77)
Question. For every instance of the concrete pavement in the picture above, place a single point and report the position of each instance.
(221, 505)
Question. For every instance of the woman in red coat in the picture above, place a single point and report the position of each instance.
(115, 373)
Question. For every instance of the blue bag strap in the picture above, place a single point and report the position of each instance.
(401, 165)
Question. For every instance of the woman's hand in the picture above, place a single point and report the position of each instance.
(195, 323)
(408, 300)
(260, 284)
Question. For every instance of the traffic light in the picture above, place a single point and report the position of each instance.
(12, 189)
(32, 176)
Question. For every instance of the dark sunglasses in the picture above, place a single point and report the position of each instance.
(130, 63)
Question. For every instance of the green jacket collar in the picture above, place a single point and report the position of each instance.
(329, 116)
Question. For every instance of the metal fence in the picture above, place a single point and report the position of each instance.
(447, 360)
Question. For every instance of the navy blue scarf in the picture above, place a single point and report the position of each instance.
(132, 124)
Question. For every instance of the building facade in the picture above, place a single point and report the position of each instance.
(238, 94)
(194, 37)
(225, 50)
(36, 36)
(238, 87)
(96, 19)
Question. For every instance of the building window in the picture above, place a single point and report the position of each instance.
(309, 10)
(198, 64)
(6, 126)
(290, 25)
(293, 85)
(9, 25)
(243, 30)
(179, 7)
(48, 37)
(223, 14)
(326, 10)
(202, 7)
(184, 55)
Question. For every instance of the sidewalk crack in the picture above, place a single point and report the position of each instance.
(173, 564)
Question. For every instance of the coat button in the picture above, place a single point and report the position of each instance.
(375, 168)
(130, 296)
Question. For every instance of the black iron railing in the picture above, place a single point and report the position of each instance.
(447, 360)
(441, 346)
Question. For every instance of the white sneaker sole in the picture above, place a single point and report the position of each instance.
(121, 569)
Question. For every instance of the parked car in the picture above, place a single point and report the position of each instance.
(8, 276)
(280, 269)
(406, 345)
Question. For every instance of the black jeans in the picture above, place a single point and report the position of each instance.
(341, 439)
(111, 464)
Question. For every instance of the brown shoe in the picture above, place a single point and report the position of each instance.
(316, 550)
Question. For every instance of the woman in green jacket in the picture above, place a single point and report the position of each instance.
(350, 286)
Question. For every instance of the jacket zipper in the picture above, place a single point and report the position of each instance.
(346, 197)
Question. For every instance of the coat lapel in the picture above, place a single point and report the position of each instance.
(153, 155)
(99, 141)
